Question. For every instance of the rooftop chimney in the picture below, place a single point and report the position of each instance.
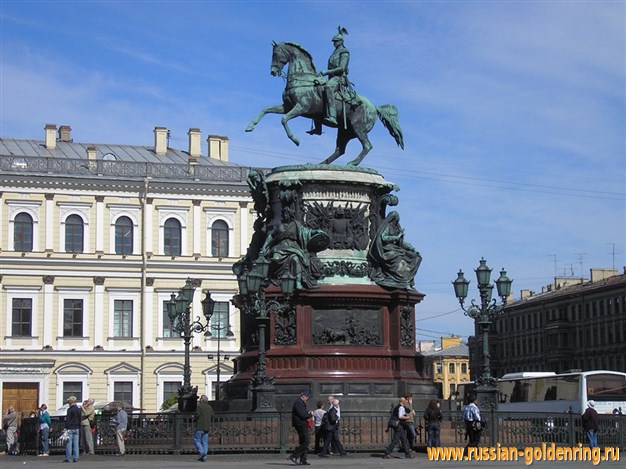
(195, 150)
(218, 147)
(51, 136)
(91, 156)
(65, 133)
(160, 140)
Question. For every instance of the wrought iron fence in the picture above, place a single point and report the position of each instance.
(359, 431)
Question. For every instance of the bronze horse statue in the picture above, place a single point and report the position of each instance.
(303, 96)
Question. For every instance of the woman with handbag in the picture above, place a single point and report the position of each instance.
(86, 420)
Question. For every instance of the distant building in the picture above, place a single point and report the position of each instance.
(572, 324)
(449, 365)
(93, 240)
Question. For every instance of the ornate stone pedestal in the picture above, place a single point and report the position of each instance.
(348, 326)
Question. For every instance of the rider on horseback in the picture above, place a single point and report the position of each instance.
(337, 74)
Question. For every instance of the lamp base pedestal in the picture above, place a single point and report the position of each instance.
(264, 399)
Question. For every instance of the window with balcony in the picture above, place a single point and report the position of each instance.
(23, 233)
(72, 318)
(22, 317)
(172, 237)
(124, 236)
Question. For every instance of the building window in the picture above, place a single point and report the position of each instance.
(123, 391)
(451, 368)
(167, 326)
(22, 317)
(72, 388)
(170, 388)
(439, 367)
(124, 236)
(219, 239)
(123, 318)
(219, 321)
(463, 367)
(74, 234)
(172, 237)
(72, 318)
(23, 233)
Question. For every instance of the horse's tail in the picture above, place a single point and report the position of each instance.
(388, 115)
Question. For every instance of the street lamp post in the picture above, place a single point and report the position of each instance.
(229, 334)
(483, 314)
(181, 321)
(253, 302)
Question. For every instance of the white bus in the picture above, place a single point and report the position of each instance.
(552, 392)
(563, 392)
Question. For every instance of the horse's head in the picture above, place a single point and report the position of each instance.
(279, 59)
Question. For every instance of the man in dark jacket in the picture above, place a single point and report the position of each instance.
(299, 416)
(72, 426)
(204, 416)
(591, 424)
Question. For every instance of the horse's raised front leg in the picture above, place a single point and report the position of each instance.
(280, 109)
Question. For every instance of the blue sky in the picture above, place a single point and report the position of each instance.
(512, 112)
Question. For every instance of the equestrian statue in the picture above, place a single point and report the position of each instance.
(328, 101)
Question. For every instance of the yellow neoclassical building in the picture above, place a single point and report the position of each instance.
(93, 241)
(449, 365)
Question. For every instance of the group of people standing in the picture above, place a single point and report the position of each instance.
(325, 421)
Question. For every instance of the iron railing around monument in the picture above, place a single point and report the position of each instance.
(172, 433)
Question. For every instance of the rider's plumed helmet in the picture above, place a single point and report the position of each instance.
(340, 32)
(338, 37)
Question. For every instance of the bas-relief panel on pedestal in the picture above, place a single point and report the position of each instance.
(347, 326)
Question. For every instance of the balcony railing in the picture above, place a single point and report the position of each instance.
(129, 169)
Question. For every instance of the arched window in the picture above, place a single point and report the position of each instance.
(74, 232)
(23, 233)
(172, 237)
(219, 239)
(124, 236)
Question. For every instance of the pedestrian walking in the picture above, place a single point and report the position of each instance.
(591, 424)
(9, 425)
(299, 415)
(121, 424)
(204, 418)
(409, 425)
(432, 417)
(44, 430)
(318, 416)
(331, 431)
(473, 422)
(87, 415)
(398, 415)
(72, 426)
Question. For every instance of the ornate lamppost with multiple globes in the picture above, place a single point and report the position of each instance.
(182, 322)
(253, 302)
(483, 315)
